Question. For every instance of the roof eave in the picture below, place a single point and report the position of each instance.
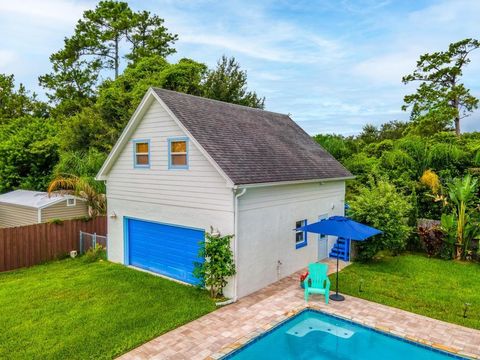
(124, 137)
(294, 182)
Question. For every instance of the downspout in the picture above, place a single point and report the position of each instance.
(235, 240)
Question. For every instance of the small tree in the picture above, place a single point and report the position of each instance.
(441, 97)
(218, 264)
(462, 193)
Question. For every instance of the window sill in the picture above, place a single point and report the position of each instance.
(300, 245)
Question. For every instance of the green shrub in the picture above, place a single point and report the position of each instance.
(55, 221)
(218, 265)
(96, 253)
(380, 205)
(336, 145)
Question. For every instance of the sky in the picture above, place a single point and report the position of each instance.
(333, 65)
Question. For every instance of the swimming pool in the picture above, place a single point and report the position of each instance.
(312, 335)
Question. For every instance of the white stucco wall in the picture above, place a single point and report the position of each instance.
(267, 217)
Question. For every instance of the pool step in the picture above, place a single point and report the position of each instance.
(308, 325)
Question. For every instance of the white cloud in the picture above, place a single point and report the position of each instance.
(335, 65)
(46, 10)
(7, 58)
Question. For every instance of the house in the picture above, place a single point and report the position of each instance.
(185, 164)
(24, 207)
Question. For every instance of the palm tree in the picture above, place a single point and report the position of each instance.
(461, 192)
(84, 187)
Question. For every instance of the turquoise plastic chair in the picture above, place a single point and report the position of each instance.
(319, 281)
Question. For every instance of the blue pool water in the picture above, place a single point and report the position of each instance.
(312, 335)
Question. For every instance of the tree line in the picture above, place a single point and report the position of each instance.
(424, 168)
(97, 79)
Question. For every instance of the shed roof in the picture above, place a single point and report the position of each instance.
(34, 199)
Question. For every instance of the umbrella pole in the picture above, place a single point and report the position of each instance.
(337, 296)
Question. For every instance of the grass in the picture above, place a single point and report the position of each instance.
(70, 309)
(431, 287)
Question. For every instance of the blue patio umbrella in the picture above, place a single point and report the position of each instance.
(342, 227)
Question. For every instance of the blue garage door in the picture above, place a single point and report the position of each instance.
(165, 249)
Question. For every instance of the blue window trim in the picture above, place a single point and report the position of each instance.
(140, 166)
(305, 239)
(170, 165)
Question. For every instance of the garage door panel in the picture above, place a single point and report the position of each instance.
(166, 249)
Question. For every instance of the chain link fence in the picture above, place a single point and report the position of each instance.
(88, 241)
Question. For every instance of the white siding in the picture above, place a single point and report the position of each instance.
(197, 197)
(201, 186)
(265, 236)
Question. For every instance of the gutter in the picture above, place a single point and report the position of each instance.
(235, 240)
(255, 185)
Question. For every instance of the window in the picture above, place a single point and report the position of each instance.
(178, 153)
(320, 218)
(141, 153)
(300, 235)
(71, 202)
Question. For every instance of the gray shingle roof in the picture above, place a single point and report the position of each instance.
(252, 145)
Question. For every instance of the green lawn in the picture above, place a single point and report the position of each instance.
(430, 287)
(70, 309)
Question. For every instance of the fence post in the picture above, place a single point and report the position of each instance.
(94, 240)
(81, 242)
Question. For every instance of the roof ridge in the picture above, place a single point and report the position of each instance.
(220, 101)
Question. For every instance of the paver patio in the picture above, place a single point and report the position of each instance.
(227, 328)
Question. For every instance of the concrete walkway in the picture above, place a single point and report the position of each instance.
(228, 328)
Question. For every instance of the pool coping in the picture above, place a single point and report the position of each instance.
(229, 350)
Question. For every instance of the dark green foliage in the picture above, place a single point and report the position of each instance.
(380, 205)
(86, 130)
(17, 103)
(336, 145)
(229, 83)
(392, 130)
(28, 153)
(99, 40)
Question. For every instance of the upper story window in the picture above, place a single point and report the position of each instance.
(178, 153)
(300, 235)
(71, 202)
(141, 153)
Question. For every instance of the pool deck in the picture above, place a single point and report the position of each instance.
(228, 328)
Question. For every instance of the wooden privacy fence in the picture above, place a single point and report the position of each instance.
(33, 244)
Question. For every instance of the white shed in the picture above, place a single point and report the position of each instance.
(185, 164)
